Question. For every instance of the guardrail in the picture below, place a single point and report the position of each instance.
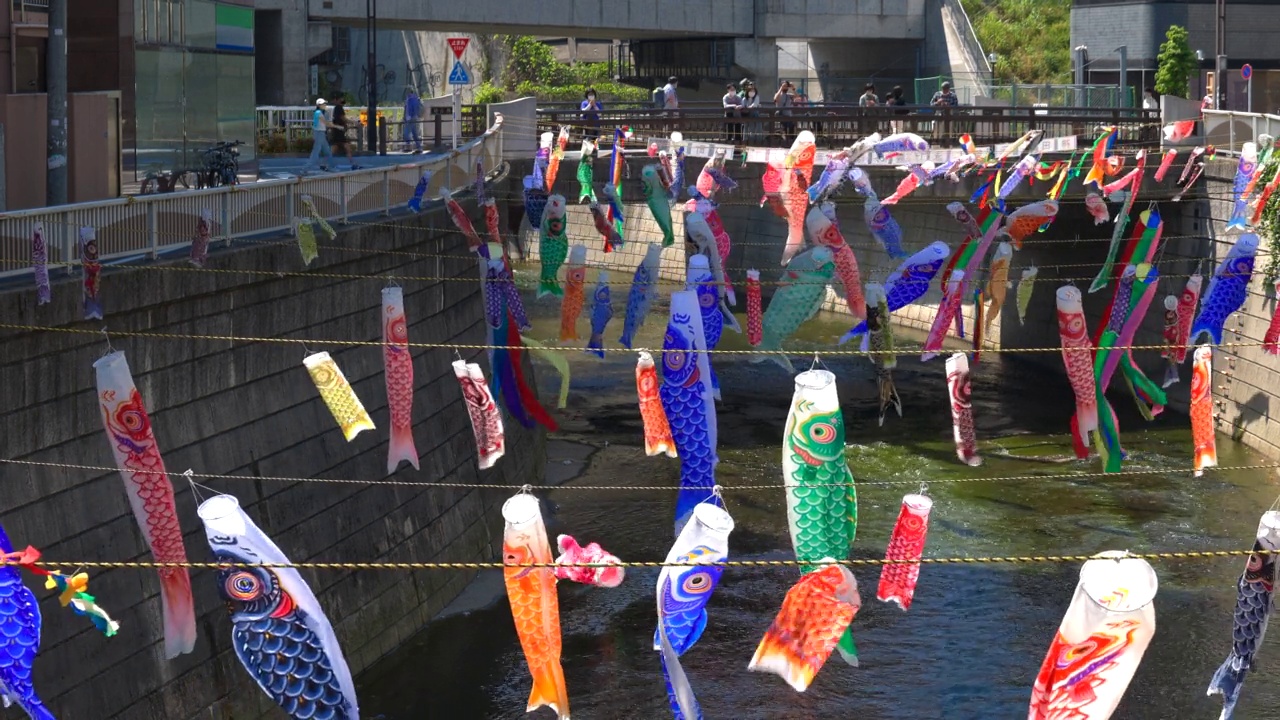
(841, 125)
(149, 226)
(1228, 130)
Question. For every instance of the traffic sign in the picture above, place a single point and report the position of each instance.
(445, 110)
(1246, 71)
(459, 75)
(458, 45)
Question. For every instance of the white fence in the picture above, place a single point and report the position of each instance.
(150, 225)
(1228, 130)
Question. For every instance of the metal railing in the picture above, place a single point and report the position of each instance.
(149, 226)
(841, 125)
(1228, 130)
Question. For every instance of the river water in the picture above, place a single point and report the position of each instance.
(975, 635)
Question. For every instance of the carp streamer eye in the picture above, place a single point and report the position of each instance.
(697, 583)
(243, 586)
(822, 432)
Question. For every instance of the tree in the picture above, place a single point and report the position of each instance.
(1175, 64)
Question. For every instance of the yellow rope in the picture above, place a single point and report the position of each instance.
(471, 278)
(673, 488)
(977, 560)
(314, 342)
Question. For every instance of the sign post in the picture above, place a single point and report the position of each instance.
(458, 77)
(1246, 72)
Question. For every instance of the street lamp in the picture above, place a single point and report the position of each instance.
(992, 58)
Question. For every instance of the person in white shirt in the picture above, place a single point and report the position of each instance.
(733, 114)
(669, 99)
(1150, 101)
(320, 126)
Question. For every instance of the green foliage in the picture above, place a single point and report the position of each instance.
(486, 93)
(1269, 224)
(1175, 64)
(1032, 38)
(608, 92)
(533, 62)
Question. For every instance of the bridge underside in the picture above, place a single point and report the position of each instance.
(622, 19)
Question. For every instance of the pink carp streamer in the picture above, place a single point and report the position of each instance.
(755, 315)
(486, 421)
(574, 299)
(1166, 162)
(906, 543)
(1187, 304)
(815, 614)
(92, 282)
(1271, 341)
(200, 243)
(1077, 356)
(795, 198)
(947, 310)
(574, 556)
(962, 410)
(826, 233)
(458, 215)
(150, 494)
(398, 368)
(40, 264)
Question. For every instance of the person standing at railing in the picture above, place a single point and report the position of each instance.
(785, 99)
(338, 131)
(1150, 101)
(320, 126)
(591, 108)
(945, 99)
(751, 108)
(895, 100)
(412, 114)
(733, 115)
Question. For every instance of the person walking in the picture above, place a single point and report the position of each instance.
(591, 108)
(320, 126)
(733, 114)
(669, 99)
(338, 132)
(412, 114)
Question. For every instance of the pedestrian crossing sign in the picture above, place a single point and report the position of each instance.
(458, 75)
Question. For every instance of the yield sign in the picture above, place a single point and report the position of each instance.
(458, 45)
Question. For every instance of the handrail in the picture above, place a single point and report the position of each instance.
(1259, 124)
(151, 225)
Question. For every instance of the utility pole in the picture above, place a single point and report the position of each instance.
(56, 69)
(1220, 57)
(1124, 75)
(371, 127)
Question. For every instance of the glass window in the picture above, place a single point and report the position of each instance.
(201, 25)
(159, 99)
(236, 106)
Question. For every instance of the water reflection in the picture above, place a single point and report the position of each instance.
(975, 635)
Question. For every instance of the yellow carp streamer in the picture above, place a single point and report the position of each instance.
(338, 395)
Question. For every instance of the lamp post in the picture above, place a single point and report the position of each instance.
(1124, 75)
(371, 26)
(991, 59)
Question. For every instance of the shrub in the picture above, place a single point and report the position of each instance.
(1175, 64)
(486, 93)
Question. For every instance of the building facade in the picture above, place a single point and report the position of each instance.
(1251, 29)
(184, 70)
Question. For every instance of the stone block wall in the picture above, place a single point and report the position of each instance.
(249, 409)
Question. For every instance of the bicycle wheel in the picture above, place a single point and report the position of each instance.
(228, 178)
(148, 187)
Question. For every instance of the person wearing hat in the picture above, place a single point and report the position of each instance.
(320, 126)
(946, 96)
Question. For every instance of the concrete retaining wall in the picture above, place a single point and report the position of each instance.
(249, 409)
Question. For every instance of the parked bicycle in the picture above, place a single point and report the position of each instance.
(165, 181)
(221, 165)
